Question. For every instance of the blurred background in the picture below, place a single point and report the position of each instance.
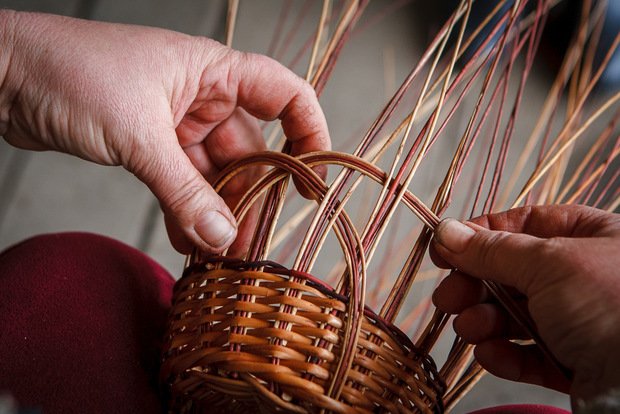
(50, 192)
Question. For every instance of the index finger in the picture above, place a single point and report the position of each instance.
(552, 221)
(268, 90)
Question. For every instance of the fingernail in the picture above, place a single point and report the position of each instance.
(215, 229)
(453, 235)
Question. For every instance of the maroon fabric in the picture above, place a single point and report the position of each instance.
(522, 409)
(81, 317)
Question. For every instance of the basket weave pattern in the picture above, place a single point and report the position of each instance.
(268, 340)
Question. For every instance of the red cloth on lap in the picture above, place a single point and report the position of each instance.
(81, 318)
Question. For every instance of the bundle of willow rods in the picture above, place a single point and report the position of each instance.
(253, 334)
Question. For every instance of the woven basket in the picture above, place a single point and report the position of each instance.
(243, 340)
(255, 336)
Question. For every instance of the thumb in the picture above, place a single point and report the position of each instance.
(513, 259)
(185, 196)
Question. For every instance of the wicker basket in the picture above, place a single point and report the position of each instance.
(255, 336)
(270, 340)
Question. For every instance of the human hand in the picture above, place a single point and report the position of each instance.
(564, 265)
(171, 108)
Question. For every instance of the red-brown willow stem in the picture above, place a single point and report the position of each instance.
(552, 157)
(390, 197)
(598, 175)
(592, 158)
(444, 194)
(328, 65)
(443, 197)
(532, 48)
(612, 182)
(320, 220)
(334, 48)
(498, 291)
(344, 230)
(502, 82)
(550, 106)
(405, 279)
(506, 300)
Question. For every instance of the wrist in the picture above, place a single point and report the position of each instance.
(8, 90)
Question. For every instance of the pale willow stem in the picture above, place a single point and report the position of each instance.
(435, 116)
(552, 159)
(291, 224)
(557, 172)
(346, 19)
(432, 96)
(370, 252)
(593, 176)
(446, 187)
(231, 20)
(554, 191)
(409, 124)
(551, 101)
(373, 156)
(341, 29)
(568, 124)
(556, 176)
(585, 162)
(319, 36)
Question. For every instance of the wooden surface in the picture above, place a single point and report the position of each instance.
(50, 192)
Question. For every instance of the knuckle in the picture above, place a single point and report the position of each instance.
(184, 201)
(252, 62)
(490, 247)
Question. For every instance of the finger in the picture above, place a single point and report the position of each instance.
(458, 292)
(550, 221)
(268, 90)
(523, 363)
(234, 138)
(185, 196)
(486, 321)
(199, 157)
(508, 258)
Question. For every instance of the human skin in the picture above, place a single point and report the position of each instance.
(563, 263)
(173, 109)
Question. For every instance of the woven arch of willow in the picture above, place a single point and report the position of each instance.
(291, 326)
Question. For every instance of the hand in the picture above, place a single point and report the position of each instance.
(171, 108)
(564, 264)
